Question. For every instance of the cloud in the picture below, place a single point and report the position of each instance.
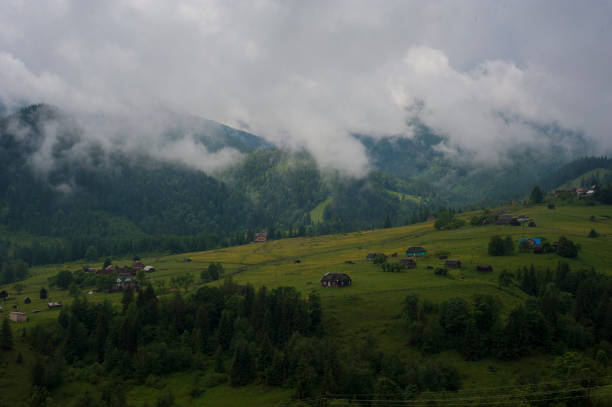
(308, 74)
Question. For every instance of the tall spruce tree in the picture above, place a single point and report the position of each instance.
(6, 335)
(536, 195)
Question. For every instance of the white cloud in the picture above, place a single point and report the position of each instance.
(307, 74)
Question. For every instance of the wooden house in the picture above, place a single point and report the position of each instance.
(484, 267)
(261, 237)
(440, 272)
(533, 242)
(335, 280)
(453, 264)
(416, 251)
(124, 282)
(17, 316)
(408, 262)
(507, 219)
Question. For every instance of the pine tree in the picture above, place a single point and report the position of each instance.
(226, 329)
(243, 366)
(43, 293)
(219, 366)
(536, 195)
(387, 223)
(127, 299)
(6, 335)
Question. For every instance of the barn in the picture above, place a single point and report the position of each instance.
(416, 251)
(18, 316)
(408, 262)
(453, 264)
(335, 280)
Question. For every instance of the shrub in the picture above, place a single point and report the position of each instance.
(500, 247)
(567, 248)
(593, 233)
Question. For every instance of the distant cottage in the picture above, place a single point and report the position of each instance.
(372, 256)
(408, 262)
(16, 316)
(533, 242)
(125, 282)
(416, 251)
(484, 267)
(453, 264)
(507, 219)
(262, 236)
(335, 280)
(52, 305)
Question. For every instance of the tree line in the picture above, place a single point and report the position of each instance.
(230, 333)
(564, 311)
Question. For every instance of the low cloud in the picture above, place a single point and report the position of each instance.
(306, 75)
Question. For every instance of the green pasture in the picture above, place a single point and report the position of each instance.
(316, 215)
(371, 307)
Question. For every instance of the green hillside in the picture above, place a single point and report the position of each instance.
(370, 308)
(316, 214)
(601, 176)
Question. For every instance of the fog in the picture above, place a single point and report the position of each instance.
(305, 75)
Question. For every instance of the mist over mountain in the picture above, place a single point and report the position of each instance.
(206, 178)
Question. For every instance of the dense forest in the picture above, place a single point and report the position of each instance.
(565, 311)
(246, 336)
(91, 203)
(278, 338)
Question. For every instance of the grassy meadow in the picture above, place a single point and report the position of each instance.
(371, 307)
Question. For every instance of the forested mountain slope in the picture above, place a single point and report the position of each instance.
(57, 182)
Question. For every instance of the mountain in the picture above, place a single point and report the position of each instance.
(585, 170)
(56, 183)
(463, 181)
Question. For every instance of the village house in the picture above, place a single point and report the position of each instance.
(124, 282)
(335, 280)
(372, 256)
(138, 265)
(533, 242)
(507, 219)
(149, 269)
(262, 236)
(565, 192)
(453, 264)
(484, 267)
(416, 251)
(408, 262)
(52, 305)
(17, 316)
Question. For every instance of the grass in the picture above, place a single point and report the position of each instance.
(402, 196)
(316, 215)
(598, 173)
(371, 306)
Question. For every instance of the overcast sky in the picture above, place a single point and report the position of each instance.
(308, 73)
